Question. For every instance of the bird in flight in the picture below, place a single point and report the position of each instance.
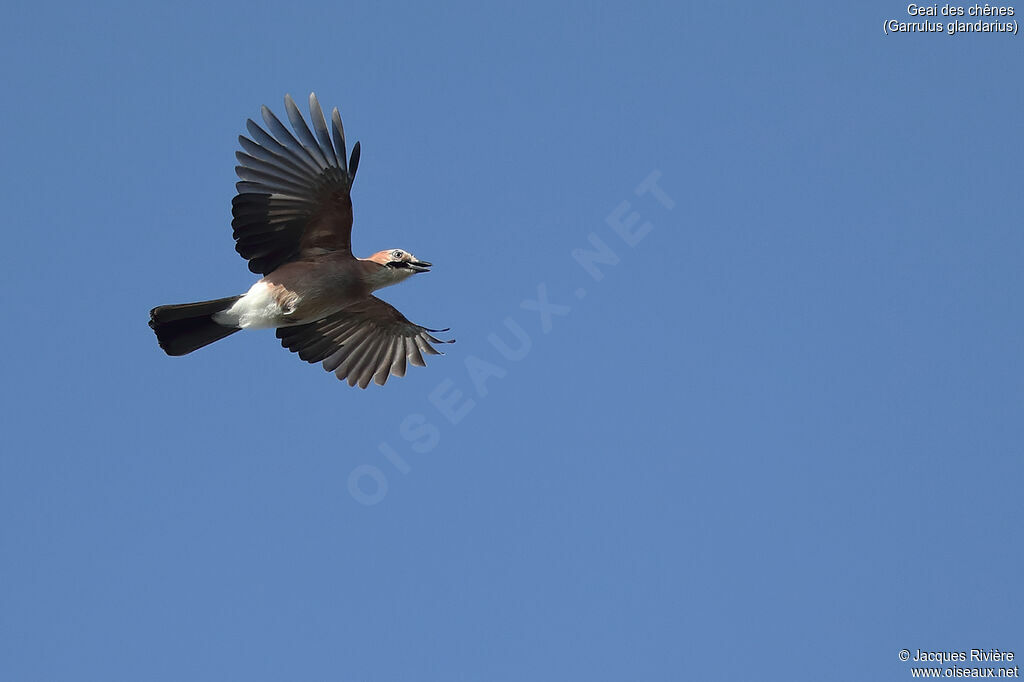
(292, 220)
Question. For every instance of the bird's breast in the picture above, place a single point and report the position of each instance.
(297, 293)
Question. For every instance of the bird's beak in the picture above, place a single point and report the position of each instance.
(419, 266)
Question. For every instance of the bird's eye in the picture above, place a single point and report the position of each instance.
(396, 254)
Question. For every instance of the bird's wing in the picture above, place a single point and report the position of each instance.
(367, 340)
(293, 198)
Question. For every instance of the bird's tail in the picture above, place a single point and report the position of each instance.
(183, 328)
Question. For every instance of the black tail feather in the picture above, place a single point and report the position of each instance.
(181, 329)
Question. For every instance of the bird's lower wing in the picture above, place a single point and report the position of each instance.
(369, 340)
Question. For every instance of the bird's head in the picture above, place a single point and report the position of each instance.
(397, 265)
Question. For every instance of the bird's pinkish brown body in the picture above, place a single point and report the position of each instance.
(293, 222)
(300, 292)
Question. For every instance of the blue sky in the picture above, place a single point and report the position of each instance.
(779, 438)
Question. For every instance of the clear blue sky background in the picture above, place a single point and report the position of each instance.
(779, 439)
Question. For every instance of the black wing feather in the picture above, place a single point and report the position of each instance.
(294, 190)
(369, 340)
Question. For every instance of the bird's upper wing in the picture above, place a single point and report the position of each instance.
(293, 198)
(367, 340)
